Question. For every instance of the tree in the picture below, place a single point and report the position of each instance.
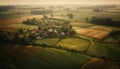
(86, 19)
(70, 15)
(21, 31)
(45, 17)
(96, 10)
(52, 15)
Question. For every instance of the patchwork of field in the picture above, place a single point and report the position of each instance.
(98, 34)
(74, 44)
(54, 59)
(50, 41)
(65, 53)
(110, 51)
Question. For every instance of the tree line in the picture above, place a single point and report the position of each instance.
(105, 21)
(15, 38)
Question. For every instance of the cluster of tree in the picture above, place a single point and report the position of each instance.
(70, 15)
(98, 10)
(45, 17)
(105, 21)
(6, 8)
(30, 21)
(16, 38)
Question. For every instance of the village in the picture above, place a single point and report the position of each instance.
(49, 29)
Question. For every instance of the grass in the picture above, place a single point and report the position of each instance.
(112, 38)
(11, 16)
(10, 51)
(79, 16)
(48, 41)
(54, 59)
(111, 51)
(9, 29)
(15, 27)
(81, 24)
(73, 44)
(21, 26)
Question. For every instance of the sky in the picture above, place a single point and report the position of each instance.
(57, 2)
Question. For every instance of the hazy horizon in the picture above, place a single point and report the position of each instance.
(57, 2)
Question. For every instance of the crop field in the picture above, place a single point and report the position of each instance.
(18, 20)
(9, 29)
(98, 34)
(20, 26)
(49, 41)
(115, 38)
(54, 59)
(19, 52)
(106, 50)
(16, 27)
(114, 15)
(66, 43)
(73, 44)
(78, 25)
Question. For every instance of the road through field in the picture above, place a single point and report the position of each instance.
(18, 20)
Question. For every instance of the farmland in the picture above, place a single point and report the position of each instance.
(17, 20)
(90, 46)
(93, 33)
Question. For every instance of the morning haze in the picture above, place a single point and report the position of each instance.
(24, 2)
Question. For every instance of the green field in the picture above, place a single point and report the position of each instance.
(73, 44)
(54, 59)
(49, 41)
